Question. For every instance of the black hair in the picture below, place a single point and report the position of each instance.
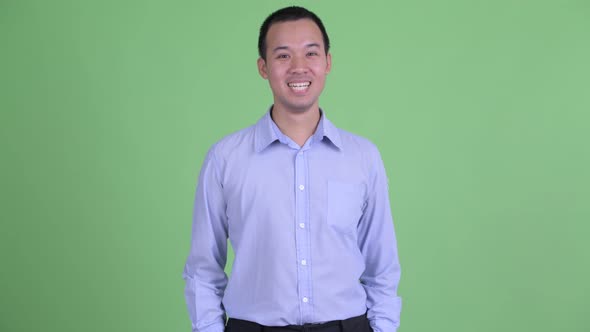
(292, 13)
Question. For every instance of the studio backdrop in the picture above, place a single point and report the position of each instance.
(479, 108)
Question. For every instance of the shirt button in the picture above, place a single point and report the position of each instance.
(301, 187)
(305, 300)
(301, 225)
(304, 262)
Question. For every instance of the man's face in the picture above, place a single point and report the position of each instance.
(296, 64)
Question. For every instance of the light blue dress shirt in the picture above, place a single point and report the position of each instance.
(311, 229)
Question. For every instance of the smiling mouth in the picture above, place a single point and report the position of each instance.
(299, 86)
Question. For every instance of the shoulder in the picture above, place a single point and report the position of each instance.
(358, 144)
(231, 143)
(366, 153)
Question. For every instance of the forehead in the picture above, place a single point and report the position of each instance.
(294, 33)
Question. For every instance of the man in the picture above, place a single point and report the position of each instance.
(304, 204)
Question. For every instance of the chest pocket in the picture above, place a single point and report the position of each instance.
(345, 202)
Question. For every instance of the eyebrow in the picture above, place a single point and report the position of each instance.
(278, 48)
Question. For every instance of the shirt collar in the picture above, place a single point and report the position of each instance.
(267, 132)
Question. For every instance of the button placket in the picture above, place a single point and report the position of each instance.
(302, 236)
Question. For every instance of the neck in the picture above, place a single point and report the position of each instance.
(298, 126)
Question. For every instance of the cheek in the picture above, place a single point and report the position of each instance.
(320, 76)
(322, 69)
(275, 79)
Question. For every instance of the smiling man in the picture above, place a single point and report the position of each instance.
(304, 204)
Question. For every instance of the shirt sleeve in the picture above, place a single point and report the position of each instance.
(204, 269)
(378, 245)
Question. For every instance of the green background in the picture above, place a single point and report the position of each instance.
(480, 110)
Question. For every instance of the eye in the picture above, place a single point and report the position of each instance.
(312, 53)
(283, 56)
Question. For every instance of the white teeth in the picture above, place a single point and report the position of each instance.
(299, 86)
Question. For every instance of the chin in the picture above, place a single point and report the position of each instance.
(300, 108)
(295, 106)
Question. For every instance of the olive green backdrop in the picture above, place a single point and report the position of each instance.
(480, 110)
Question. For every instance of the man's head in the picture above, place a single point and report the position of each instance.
(294, 58)
(286, 14)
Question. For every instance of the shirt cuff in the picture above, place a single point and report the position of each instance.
(382, 325)
(215, 327)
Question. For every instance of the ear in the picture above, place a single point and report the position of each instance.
(328, 62)
(262, 68)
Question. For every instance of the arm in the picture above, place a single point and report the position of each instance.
(379, 247)
(204, 270)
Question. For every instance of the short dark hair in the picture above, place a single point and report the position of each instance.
(292, 13)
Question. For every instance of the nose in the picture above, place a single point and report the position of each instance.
(298, 65)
